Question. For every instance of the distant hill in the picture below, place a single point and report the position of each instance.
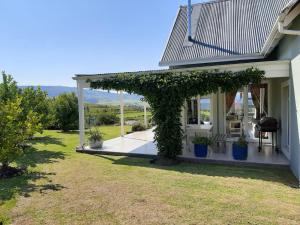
(93, 96)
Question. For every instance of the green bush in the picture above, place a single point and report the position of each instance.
(37, 101)
(138, 127)
(107, 119)
(66, 111)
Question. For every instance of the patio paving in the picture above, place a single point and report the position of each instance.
(137, 143)
(268, 155)
(141, 144)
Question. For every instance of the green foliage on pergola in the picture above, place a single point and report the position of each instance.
(166, 92)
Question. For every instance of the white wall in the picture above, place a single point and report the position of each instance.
(295, 116)
(289, 49)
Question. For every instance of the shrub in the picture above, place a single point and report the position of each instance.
(107, 119)
(37, 101)
(66, 111)
(138, 127)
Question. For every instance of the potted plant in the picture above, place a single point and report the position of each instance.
(201, 146)
(240, 149)
(95, 138)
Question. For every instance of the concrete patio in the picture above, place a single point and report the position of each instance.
(140, 144)
(134, 144)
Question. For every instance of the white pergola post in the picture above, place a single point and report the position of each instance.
(81, 112)
(122, 113)
(145, 115)
(246, 110)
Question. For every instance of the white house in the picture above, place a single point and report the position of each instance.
(235, 35)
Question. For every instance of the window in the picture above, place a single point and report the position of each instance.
(205, 110)
(199, 111)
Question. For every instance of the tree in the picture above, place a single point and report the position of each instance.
(8, 88)
(32, 101)
(166, 92)
(107, 118)
(66, 111)
(14, 131)
(37, 101)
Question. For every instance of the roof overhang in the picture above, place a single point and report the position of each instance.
(212, 60)
(288, 14)
(273, 69)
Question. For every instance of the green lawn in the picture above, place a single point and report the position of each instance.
(139, 116)
(130, 112)
(110, 132)
(63, 187)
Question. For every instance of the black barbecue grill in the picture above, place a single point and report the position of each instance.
(267, 125)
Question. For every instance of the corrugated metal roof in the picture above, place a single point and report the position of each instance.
(226, 29)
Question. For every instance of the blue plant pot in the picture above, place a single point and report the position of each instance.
(239, 153)
(200, 150)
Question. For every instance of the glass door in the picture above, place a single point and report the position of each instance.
(244, 108)
(234, 113)
(258, 107)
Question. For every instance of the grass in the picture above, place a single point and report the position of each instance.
(63, 187)
(130, 112)
(139, 116)
(110, 132)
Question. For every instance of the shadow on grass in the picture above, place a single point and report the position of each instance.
(270, 174)
(25, 184)
(32, 157)
(47, 140)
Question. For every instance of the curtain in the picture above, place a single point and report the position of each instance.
(255, 94)
(230, 97)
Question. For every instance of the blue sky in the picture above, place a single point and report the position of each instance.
(45, 42)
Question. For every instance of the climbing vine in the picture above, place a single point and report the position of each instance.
(166, 92)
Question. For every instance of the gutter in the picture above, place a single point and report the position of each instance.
(211, 60)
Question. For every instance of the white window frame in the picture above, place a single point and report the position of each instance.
(198, 125)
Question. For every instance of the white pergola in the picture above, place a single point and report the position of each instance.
(83, 84)
(273, 69)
